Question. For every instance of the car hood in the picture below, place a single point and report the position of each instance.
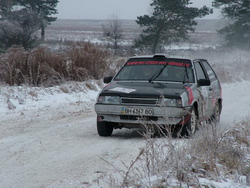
(145, 89)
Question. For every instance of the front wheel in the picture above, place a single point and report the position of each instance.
(191, 126)
(187, 130)
(104, 128)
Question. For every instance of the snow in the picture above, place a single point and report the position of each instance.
(187, 46)
(48, 136)
(236, 102)
(24, 102)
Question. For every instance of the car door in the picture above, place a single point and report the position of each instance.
(214, 89)
(205, 92)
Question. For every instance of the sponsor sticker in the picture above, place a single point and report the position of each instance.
(123, 90)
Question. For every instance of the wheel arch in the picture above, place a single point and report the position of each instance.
(220, 103)
(195, 105)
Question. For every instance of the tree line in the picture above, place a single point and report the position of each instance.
(169, 22)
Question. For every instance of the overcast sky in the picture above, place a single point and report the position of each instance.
(104, 9)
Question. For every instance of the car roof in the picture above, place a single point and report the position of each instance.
(166, 56)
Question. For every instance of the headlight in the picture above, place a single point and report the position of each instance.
(170, 102)
(108, 100)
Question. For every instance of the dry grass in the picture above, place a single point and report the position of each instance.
(45, 67)
(168, 162)
(33, 68)
(89, 61)
(223, 154)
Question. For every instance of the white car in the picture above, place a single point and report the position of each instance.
(176, 93)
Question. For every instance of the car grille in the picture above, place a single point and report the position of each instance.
(140, 101)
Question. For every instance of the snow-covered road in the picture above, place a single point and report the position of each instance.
(236, 103)
(47, 142)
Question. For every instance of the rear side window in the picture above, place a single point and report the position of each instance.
(210, 71)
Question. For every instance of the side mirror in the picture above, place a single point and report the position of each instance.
(204, 82)
(108, 79)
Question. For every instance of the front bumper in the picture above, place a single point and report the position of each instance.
(161, 115)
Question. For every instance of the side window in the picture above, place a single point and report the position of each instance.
(199, 71)
(210, 72)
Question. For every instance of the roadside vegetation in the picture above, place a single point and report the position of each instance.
(214, 157)
(43, 67)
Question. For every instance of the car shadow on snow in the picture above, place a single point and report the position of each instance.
(128, 133)
(136, 133)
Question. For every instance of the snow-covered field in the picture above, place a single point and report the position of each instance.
(93, 30)
(48, 136)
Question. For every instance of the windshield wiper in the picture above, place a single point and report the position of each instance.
(158, 73)
(186, 74)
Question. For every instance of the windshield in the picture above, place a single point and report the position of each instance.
(167, 70)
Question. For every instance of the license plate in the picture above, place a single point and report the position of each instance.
(138, 111)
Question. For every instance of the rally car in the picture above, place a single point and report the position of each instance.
(160, 91)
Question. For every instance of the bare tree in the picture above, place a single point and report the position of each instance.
(113, 32)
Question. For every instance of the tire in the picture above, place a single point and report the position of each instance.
(191, 126)
(104, 128)
(217, 111)
(189, 129)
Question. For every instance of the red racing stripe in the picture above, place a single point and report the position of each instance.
(190, 95)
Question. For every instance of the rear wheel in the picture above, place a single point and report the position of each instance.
(105, 128)
(216, 115)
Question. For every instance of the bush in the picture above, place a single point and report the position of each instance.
(42, 66)
(35, 68)
(87, 61)
(166, 162)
